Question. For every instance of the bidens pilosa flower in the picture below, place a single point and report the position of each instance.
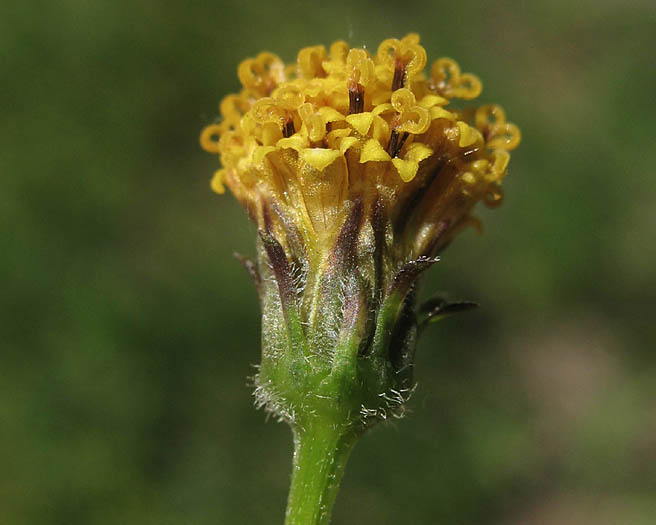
(357, 171)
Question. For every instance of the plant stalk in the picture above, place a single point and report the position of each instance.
(321, 451)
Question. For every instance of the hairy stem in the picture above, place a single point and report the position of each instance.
(321, 451)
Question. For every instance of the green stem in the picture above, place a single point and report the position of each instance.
(321, 451)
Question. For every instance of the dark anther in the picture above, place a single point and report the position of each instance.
(288, 129)
(393, 142)
(356, 99)
(396, 143)
(404, 137)
(399, 76)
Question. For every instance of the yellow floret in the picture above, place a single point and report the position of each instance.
(282, 137)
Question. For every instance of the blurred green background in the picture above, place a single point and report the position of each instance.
(129, 331)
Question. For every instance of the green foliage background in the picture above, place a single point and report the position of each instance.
(129, 331)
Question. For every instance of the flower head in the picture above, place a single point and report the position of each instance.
(310, 138)
(357, 170)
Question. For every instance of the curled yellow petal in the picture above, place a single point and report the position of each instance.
(319, 158)
(330, 114)
(381, 128)
(261, 152)
(247, 75)
(270, 133)
(505, 136)
(417, 152)
(362, 67)
(500, 163)
(361, 122)
(432, 100)
(267, 110)
(489, 115)
(334, 137)
(416, 121)
(403, 100)
(310, 61)
(234, 107)
(437, 112)
(347, 143)
(405, 56)
(288, 97)
(373, 151)
(469, 87)
(316, 126)
(295, 142)
(217, 181)
(417, 60)
(262, 73)
(451, 83)
(387, 51)
(445, 73)
(248, 124)
(209, 138)
(468, 135)
(382, 108)
(338, 51)
(411, 38)
(407, 169)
